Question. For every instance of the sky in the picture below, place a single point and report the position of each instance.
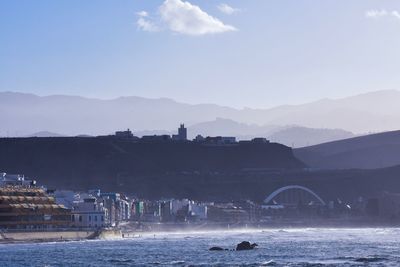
(239, 53)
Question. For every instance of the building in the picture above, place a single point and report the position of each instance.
(65, 197)
(220, 140)
(182, 134)
(89, 213)
(385, 205)
(165, 211)
(197, 211)
(124, 134)
(137, 210)
(179, 209)
(118, 206)
(260, 140)
(176, 205)
(227, 213)
(29, 207)
(156, 138)
(199, 138)
(15, 180)
(146, 211)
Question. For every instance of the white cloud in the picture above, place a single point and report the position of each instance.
(396, 14)
(225, 8)
(145, 24)
(142, 13)
(376, 14)
(186, 18)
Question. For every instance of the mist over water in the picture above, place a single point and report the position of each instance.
(277, 247)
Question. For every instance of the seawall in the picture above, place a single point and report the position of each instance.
(55, 236)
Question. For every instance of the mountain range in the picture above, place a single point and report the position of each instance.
(23, 114)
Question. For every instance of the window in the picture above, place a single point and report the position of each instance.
(95, 218)
(80, 218)
(90, 218)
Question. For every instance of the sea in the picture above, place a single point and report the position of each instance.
(276, 247)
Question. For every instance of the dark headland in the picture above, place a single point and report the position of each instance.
(182, 169)
(150, 169)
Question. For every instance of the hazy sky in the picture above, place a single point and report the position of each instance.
(254, 53)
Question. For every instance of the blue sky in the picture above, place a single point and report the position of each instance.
(253, 53)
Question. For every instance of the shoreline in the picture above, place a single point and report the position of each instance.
(144, 227)
(14, 237)
(114, 234)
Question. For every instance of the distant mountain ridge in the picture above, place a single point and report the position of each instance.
(44, 134)
(23, 114)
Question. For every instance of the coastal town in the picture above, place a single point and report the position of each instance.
(199, 133)
(28, 206)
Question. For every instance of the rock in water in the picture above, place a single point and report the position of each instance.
(216, 249)
(245, 245)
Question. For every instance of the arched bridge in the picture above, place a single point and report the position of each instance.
(298, 192)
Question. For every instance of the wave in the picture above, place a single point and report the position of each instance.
(268, 263)
(366, 259)
(370, 259)
(116, 260)
(177, 262)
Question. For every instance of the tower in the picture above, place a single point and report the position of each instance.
(182, 133)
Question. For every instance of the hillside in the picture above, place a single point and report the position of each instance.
(301, 136)
(155, 171)
(88, 162)
(364, 152)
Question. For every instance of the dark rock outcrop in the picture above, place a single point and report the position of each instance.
(245, 245)
(216, 249)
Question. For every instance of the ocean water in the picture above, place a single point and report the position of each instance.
(277, 247)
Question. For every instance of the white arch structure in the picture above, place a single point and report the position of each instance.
(289, 187)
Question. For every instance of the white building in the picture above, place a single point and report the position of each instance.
(88, 213)
(15, 179)
(176, 205)
(118, 206)
(198, 210)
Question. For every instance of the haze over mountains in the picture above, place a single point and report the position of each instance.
(365, 164)
(25, 114)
